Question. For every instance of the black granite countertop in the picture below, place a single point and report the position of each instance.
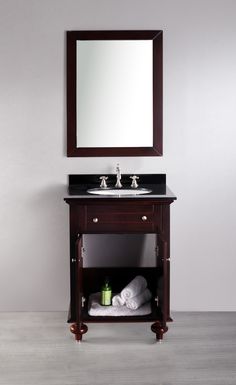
(79, 184)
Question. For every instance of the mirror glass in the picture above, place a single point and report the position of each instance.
(114, 93)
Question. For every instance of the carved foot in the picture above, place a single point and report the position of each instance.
(78, 330)
(159, 330)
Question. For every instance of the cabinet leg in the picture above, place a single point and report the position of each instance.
(159, 330)
(78, 330)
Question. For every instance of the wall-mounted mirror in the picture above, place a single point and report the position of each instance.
(114, 93)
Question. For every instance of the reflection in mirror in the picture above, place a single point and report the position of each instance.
(114, 93)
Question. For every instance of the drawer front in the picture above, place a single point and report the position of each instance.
(122, 219)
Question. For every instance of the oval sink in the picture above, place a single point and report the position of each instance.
(116, 191)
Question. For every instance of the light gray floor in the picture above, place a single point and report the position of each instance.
(37, 349)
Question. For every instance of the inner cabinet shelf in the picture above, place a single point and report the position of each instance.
(119, 215)
(92, 278)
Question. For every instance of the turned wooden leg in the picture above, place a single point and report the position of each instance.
(159, 330)
(78, 330)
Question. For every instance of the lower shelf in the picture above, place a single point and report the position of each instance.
(120, 277)
(95, 309)
(155, 315)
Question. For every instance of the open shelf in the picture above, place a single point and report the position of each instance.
(93, 277)
(153, 316)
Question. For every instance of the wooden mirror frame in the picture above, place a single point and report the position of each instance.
(156, 149)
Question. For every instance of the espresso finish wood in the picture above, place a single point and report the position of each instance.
(120, 218)
(119, 215)
(78, 329)
(157, 149)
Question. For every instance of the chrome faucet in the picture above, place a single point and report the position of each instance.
(118, 177)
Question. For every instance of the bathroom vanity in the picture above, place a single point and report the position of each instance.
(117, 213)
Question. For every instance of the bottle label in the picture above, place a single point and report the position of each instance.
(106, 297)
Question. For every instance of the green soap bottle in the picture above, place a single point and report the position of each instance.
(106, 293)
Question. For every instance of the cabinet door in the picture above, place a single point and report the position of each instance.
(79, 279)
(163, 255)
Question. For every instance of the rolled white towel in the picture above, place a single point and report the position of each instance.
(137, 301)
(117, 300)
(135, 287)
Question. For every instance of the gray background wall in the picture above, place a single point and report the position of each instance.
(199, 145)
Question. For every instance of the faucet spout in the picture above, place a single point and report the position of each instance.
(118, 177)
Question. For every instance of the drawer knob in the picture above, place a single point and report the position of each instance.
(144, 218)
(95, 220)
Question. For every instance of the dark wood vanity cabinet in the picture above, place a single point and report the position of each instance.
(119, 216)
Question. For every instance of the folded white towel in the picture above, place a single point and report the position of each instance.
(95, 309)
(137, 301)
(117, 300)
(135, 287)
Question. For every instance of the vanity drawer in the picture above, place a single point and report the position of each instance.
(122, 219)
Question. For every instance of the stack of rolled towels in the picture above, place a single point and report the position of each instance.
(134, 295)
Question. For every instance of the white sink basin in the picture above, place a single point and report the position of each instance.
(116, 191)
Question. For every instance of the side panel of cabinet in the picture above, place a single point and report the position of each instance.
(166, 226)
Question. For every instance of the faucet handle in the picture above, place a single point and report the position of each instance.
(134, 183)
(103, 183)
